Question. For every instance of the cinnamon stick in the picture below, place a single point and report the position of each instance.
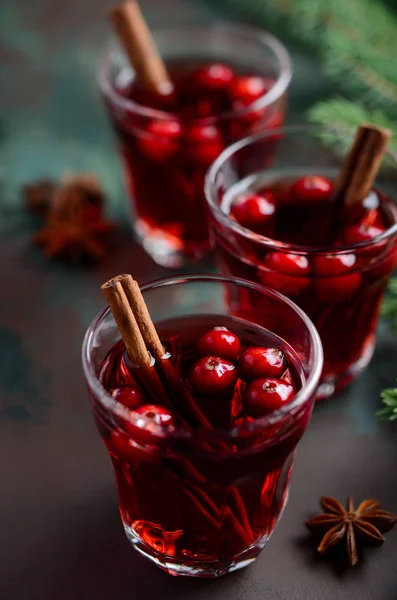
(126, 322)
(136, 39)
(362, 164)
(188, 408)
(142, 316)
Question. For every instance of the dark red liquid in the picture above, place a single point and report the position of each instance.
(202, 499)
(341, 296)
(166, 155)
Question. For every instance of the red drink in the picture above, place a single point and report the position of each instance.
(203, 473)
(336, 271)
(168, 142)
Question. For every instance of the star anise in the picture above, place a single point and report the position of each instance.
(365, 524)
(75, 224)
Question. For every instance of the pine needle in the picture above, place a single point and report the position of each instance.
(389, 400)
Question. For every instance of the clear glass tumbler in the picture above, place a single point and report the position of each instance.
(165, 156)
(340, 288)
(197, 501)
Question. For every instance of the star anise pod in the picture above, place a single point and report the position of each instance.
(365, 524)
(75, 224)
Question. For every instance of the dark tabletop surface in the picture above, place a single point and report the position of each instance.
(60, 533)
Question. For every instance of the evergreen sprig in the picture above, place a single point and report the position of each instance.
(345, 116)
(389, 305)
(389, 401)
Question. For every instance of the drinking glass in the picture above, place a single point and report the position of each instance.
(343, 304)
(204, 502)
(164, 157)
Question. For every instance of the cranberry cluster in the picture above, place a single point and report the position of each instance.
(262, 371)
(207, 91)
(261, 375)
(268, 213)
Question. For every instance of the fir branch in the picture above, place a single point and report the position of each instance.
(389, 305)
(355, 39)
(345, 116)
(389, 410)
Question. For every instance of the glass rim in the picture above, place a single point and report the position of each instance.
(227, 153)
(276, 91)
(306, 392)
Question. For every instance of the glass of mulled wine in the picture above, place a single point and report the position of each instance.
(168, 142)
(275, 221)
(203, 481)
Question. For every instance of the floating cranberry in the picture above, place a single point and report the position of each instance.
(212, 375)
(337, 288)
(256, 362)
(253, 210)
(149, 423)
(219, 341)
(160, 140)
(123, 447)
(288, 263)
(361, 233)
(204, 143)
(286, 284)
(333, 264)
(312, 189)
(249, 88)
(265, 395)
(131, 397)
(214, 76)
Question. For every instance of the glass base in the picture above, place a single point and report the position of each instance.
(166, 249)
(334, 383)
(202, 569)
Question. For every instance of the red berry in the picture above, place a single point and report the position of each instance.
(214, 76)
(258, 362)
(337, 288)
(361, 233)
(253, 210)
(265, 395)
(131, 397)
(249, 88)
(123, 447)
(160, 140)
(219, 342)
(288, 263)
(213, 375)
(333, 264)
(149, 423)
(285, 284)
(312, 188)
(204, 143)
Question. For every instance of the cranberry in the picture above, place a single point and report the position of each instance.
(204, 143)
(123, 447)
(333, 264)
(249, 88)
(219, 342)
(311, 189)
(361, 233)
(160, 140)
(253, 210)
(288, 263)
(131, 397)
(258, 362)
(148, 422)
(286, 284)
(213, 375)
(214, 76)
(265, 395)
(337, 288)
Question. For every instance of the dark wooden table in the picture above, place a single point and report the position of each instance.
(60, 533)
